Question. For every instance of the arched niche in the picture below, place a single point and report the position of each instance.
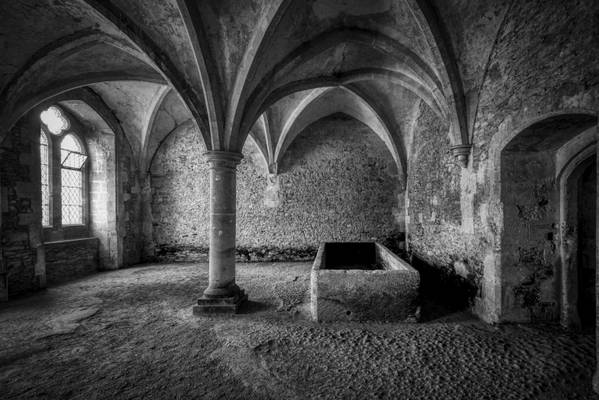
(108, 194)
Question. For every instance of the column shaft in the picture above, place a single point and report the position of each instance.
(222, 294)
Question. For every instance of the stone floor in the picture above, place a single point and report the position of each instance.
(130, 334)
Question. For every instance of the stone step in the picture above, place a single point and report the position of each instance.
(220, 305)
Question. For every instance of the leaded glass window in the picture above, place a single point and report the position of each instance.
(72, 160)
(45, 181)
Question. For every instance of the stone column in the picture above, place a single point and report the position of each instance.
(222, 294)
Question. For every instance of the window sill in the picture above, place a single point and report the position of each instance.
(66, 232)
(66, 241)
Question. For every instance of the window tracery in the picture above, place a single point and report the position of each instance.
(55, 120)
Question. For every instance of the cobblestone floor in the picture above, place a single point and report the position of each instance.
(130, 334)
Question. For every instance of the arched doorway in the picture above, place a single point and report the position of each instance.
(578, 195)
(587, 216)
(544, 183)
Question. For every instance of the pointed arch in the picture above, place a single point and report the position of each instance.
(355, 106)
(212, 87)
(163, 63)
(415, 73)
(157, 102)
(260, 39)
(261, 136)
(438, 37)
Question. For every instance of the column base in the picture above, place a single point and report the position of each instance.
(220, 305)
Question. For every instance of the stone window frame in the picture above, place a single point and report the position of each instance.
(57, 230)
(48, 144)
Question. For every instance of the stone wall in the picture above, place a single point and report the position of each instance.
(434, 208)
(179, 200)
(21, 231)
(102, 196)
(447, 258)
(545, 60)
(543, 63)
(70, 259)
(129, 197)
(337, 182)
(530, 247)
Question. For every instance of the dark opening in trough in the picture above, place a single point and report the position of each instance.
(351, 255)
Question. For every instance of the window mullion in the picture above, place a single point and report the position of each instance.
(56, 185)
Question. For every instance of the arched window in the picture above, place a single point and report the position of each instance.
(72, 159)
(45, 175)
(64, 200)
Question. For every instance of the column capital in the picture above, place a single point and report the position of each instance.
(461, 153)
(223, 159)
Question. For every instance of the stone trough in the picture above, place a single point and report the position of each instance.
(362, 281)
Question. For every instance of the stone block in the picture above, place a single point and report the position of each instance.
(362, 281)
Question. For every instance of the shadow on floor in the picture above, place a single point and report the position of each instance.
(442, 292)
(251, 307)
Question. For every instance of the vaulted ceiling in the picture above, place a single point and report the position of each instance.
(264, 68)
